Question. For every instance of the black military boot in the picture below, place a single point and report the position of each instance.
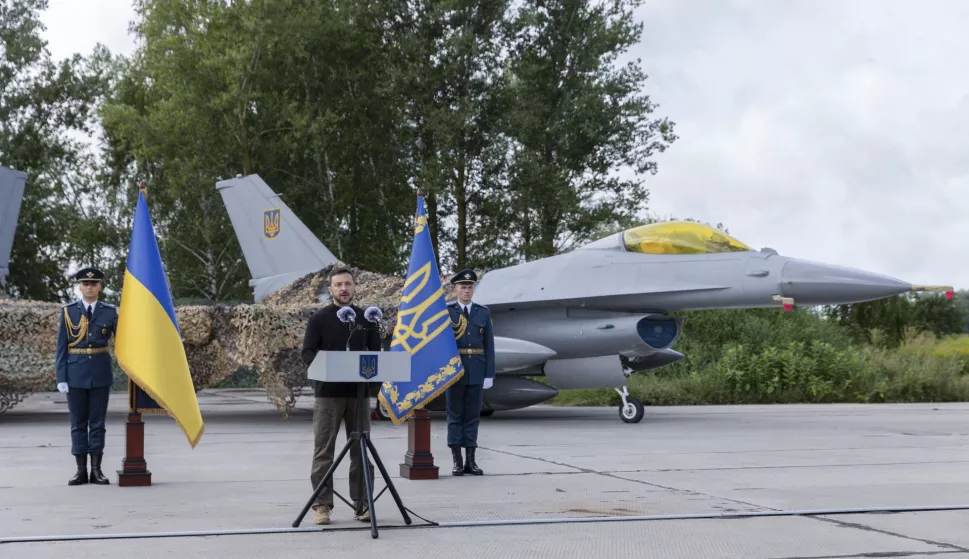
(469, 466)
(96, 475)
(458, 469)
(80, 478)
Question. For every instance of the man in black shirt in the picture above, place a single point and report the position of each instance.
(336, 401)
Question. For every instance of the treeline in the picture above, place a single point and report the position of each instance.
(512, 117)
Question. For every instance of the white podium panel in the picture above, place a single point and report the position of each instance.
(360, 366)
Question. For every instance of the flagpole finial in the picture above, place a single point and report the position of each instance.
(143, 189)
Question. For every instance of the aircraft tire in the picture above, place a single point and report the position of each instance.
(384, 416)
(632, 412)
(486, 413)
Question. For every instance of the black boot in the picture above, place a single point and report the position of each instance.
(469, 466)
(80, 478)
(96, 475)
(458, 469)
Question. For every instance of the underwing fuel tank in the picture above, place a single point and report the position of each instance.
(507, 393)
(512, 392)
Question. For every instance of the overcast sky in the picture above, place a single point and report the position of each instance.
(830, 130)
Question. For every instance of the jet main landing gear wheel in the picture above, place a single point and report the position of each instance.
(631, 410)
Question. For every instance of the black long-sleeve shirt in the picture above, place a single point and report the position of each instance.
(325, 331)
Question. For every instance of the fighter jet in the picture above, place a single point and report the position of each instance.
(585, 318)
(12, 184)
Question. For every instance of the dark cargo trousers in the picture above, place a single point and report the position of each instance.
(327, 415)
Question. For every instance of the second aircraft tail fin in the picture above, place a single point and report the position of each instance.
(277, 246)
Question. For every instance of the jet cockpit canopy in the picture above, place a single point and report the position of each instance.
(671, 237)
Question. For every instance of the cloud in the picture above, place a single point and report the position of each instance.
(827, 130)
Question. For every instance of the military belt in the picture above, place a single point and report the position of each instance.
(87, 350)
(470, 350)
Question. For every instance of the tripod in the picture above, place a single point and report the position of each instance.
(361, 437)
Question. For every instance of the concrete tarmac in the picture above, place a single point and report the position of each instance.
(542, 465)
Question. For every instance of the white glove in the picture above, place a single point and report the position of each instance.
(488, 382)
(62, 387)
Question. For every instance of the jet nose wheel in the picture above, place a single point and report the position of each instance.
(631, 410)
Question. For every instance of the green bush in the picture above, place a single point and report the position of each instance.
(795, 372)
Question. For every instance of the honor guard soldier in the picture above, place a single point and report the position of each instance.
(83, 371)
(476, 344)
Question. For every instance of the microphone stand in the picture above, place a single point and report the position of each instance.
(360, 436)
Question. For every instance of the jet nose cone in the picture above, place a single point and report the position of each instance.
(813, 283)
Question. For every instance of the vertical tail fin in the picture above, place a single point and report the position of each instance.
(12, 184)
(277, 246)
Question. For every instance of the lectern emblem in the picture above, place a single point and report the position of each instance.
(368, 366)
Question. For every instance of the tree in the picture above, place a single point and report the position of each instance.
(576, 120)
(452, 79)
(300, 92)
(42, 103)
(885, 321)
(936, 314)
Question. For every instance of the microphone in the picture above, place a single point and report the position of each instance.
(346, 314)
(373, 314)
(349, 316)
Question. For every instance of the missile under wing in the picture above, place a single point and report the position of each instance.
(277, 246)
(12, 184)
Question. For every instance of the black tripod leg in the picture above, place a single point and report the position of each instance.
(364, 465)
(390, 484)
(328, 478)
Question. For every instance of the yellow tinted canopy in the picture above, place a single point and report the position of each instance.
(680, 237)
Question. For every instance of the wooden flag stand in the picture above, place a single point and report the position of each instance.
(134, 469)
(419, 462)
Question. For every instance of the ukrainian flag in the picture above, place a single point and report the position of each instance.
(148, 344)
(424, 330)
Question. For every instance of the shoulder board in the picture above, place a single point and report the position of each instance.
(481, 306)
(109, 305)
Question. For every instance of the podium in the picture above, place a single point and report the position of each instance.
(363, 368)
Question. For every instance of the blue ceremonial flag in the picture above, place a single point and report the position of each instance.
(424, 330)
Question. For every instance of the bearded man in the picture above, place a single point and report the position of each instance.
(337, 401)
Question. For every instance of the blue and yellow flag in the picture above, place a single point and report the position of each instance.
(148, 344)
(424, 330)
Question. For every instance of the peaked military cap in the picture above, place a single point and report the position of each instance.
(89, 274)
(465, 276)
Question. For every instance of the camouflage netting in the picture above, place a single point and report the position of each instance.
(219, 339)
